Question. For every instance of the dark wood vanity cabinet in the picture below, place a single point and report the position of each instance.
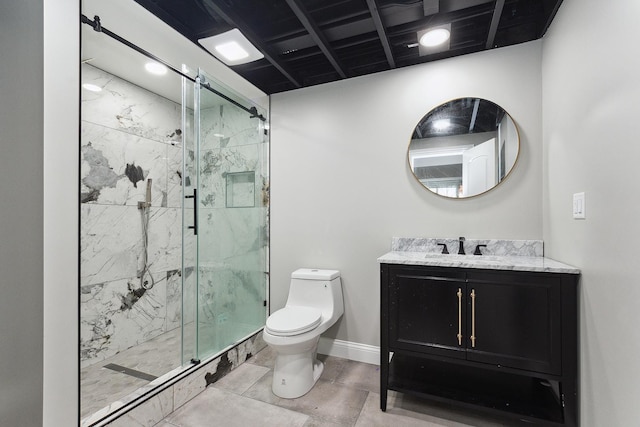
(499, 341)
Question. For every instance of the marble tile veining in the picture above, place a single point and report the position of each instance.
(100, 387)
(514, 263)
(104, 390)
(225, 126)
(130, 138)
(116, 165)
(132, 287)
(124, 106)
(516, 255)
(501, 247)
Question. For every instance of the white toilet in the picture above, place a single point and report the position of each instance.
(314, 304)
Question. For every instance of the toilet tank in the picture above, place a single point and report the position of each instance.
(315, 274)
(321, 289)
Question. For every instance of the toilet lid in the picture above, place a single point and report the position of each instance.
(293, 320)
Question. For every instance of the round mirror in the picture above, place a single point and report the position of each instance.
(464, 147)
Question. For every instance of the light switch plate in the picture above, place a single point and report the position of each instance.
(579, 206)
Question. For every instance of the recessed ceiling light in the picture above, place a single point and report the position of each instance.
(156, 68)
(92, 87)
(442, 124)
(427, 40)
(232, 51)
(435, 37)
(231, 47)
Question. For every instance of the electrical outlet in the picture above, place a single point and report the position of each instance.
(579, 206)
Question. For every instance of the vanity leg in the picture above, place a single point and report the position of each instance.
(384, 336)
(384, 378)
(569, 391)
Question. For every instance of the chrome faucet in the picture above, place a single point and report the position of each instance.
(461, 247)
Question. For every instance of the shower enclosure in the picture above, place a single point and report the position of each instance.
(226, 182)
(174, 222)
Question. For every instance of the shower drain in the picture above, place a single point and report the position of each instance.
(130, 372)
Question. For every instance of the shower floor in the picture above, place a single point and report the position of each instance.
(101, 386)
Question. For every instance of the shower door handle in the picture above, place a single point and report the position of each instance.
(194, 227)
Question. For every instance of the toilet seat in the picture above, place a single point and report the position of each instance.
(293, 320)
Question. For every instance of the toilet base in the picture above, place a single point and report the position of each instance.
(295, 374)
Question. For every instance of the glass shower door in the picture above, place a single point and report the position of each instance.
(189, 349)
(231, 207)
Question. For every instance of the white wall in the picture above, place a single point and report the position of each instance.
(591, 88)
(341, 186)
(21, 214)
(61, 97)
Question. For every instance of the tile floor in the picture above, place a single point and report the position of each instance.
(347, 394)
(100, 386)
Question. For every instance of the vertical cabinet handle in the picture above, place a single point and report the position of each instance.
(194, 227)
(473, 318)
(459, 316)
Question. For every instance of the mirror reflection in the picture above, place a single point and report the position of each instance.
(464, 147)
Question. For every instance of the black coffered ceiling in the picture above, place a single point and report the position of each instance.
(309, 42)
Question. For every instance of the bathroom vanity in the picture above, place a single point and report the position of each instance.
(495, 333)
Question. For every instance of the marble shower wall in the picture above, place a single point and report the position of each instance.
(128, 136)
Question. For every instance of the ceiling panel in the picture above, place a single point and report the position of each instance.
(309, 42)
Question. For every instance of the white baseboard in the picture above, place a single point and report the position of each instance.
(349, 350)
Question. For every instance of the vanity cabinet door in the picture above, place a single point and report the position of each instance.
(427, 311)
(514, 320)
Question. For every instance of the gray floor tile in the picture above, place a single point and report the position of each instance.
(240, 379)
(363, 376)
(265, 357)
(218, 407)
(407, 411)
(326, 401)
(333, 367)
(345, 396)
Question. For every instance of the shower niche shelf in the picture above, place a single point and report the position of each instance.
(241, 189)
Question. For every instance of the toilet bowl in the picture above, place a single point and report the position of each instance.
(314, 304)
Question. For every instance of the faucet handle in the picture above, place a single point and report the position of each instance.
(461, 246)
(477, 251)
(444, 248)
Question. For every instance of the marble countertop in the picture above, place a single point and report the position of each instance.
(492, 262)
